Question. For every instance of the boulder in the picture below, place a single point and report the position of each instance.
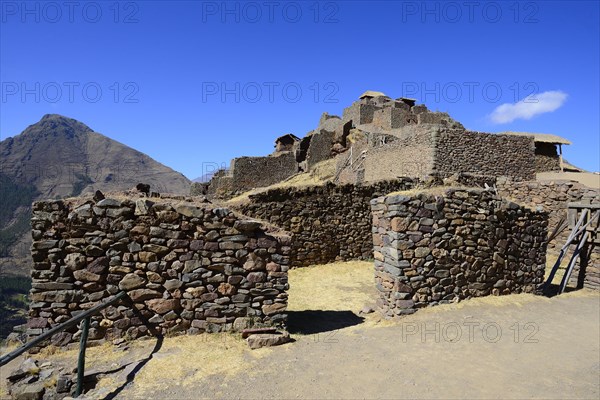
(258, 340)
(32, 391)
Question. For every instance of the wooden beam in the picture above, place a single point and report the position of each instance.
(560, 158)
(564, 249)
(593, 206)
(571, 266)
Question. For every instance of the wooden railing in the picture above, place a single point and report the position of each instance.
(583, 220)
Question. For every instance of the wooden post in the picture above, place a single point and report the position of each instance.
(81, 360)
(563, 250)
(571, 265)
(572, 217)
(560, 158)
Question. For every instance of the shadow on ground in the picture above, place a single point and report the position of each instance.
(136, 367)
(317, 321)
(552, 290)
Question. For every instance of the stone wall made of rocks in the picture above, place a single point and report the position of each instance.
(431, 249)
(554, 197)
(221, 185)
(185, 267)
(253, 172)
(329, 223)
(411, 155)
(319, 148)
(546, 157)
(484, 154)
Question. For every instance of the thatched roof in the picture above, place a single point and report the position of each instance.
(371, 93)
(287, 137)
(570, 167)
(540, 137)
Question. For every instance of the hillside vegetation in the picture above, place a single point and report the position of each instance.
(13, 303)
(14, 212)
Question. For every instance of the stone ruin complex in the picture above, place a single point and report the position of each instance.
(195, 268)
(379, 138)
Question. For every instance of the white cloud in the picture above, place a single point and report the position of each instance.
(529, 107)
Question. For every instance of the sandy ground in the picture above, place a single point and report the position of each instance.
(510, 347)
(586, 178)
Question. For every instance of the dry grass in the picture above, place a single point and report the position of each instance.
(183, 359)
(320, 173)
(188, 359)
(432, 191)
(340, 286)
(100, 358)
(337, 286)
(97, 357)
(550, 260)
(5, 349)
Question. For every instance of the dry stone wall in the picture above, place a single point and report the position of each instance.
(546, 157)
(186, 268)
(221, 184)
(360, 113)
(467, 243)
(429, 149)
(252, 172)
(411, 155)
(486, 154)
(328, 223)
(554, 197)
(319, 148)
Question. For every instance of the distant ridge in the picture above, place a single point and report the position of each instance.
(204, 178)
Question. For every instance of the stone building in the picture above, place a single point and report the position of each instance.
(379, 138)
(548, 150)
(286, 143)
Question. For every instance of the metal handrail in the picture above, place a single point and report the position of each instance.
(85, 316)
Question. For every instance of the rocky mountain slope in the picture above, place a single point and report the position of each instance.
(62, 157)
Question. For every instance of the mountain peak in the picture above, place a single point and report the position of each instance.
(57, 124)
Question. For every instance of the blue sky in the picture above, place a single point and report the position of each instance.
(194, 84)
